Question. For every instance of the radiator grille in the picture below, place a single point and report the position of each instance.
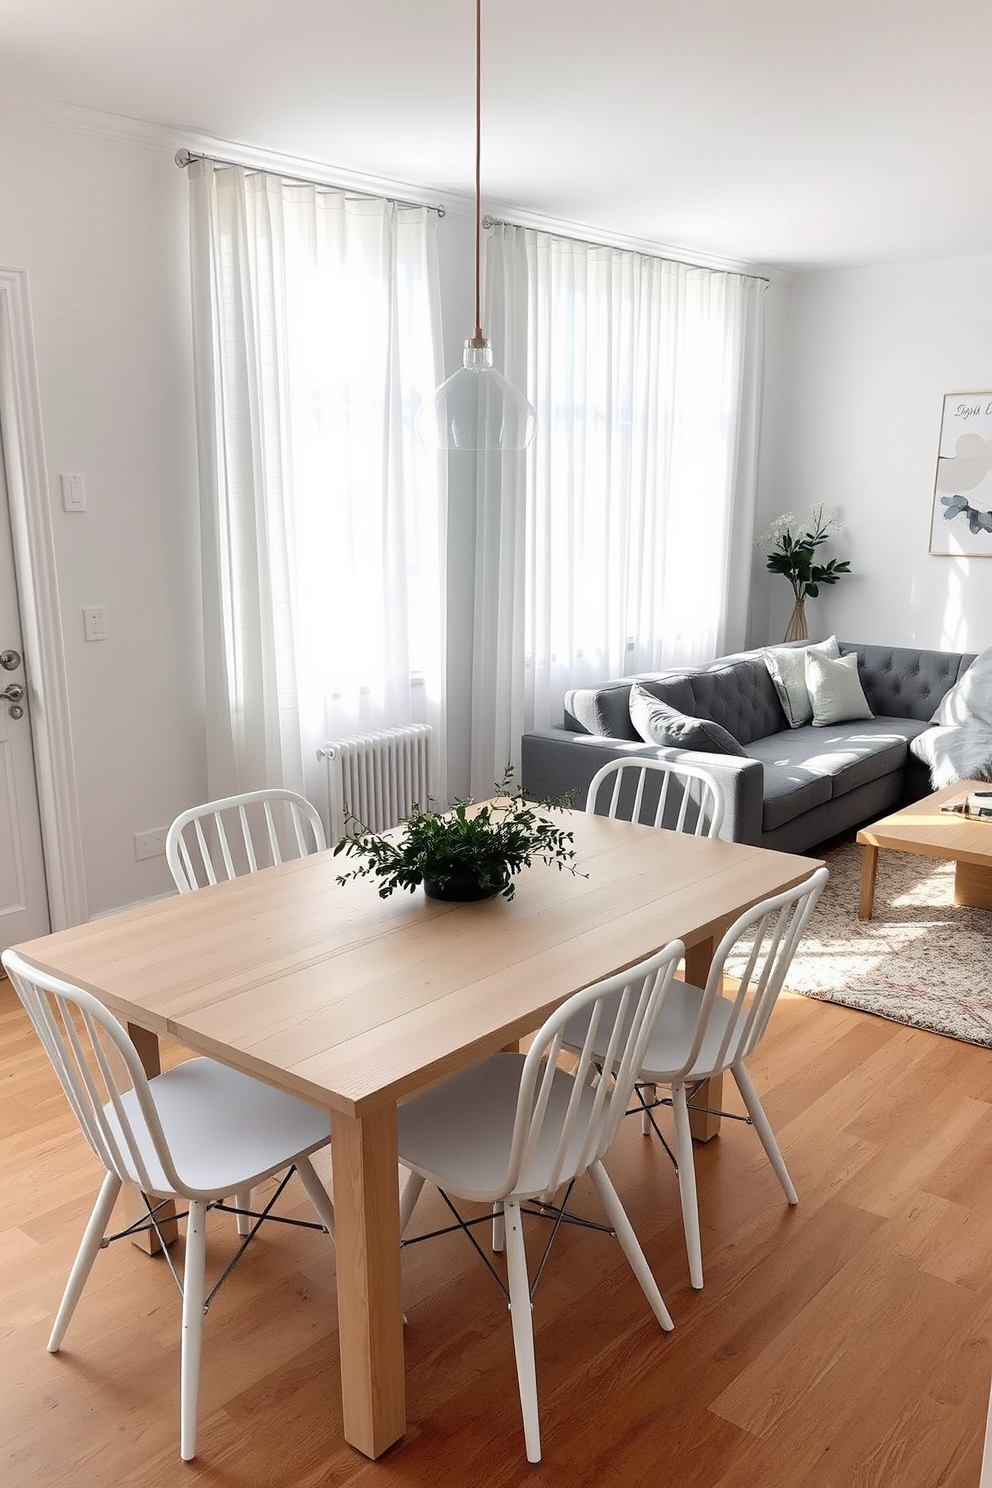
(377, 777)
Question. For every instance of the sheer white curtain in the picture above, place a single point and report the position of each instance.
(315, 327)
(620, 542)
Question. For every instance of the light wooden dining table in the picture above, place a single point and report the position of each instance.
(356, 1002)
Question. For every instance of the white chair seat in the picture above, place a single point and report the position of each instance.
(221, 1128)
(459, 1135)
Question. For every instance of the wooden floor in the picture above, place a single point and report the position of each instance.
(845, 1342)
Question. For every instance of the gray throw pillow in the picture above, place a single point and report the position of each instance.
(835, 690)
(657, 723)
(787, 669)
(970, 697)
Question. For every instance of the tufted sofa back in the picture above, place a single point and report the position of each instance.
(740, 696)
(903, 683)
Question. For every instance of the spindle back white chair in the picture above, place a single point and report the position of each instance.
(704, 1031)
(515, 1128)
(196, 1133)
(659, 793)
(240, 834)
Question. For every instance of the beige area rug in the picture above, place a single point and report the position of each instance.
(921, 960)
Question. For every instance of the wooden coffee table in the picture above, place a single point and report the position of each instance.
(924, 829)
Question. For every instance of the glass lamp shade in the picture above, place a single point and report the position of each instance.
(477, 409)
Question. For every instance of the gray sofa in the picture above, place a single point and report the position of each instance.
(792, 788)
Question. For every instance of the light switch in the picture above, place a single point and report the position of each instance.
(95, 623)
(73, 493)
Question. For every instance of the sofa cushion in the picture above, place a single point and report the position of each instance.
(658, 723)
(848, 756)
(790, 789)
(835, 691)
(740, 697)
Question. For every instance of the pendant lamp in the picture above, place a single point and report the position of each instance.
(476, 408)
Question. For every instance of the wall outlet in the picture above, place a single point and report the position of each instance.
(95, 623)
(150, 844)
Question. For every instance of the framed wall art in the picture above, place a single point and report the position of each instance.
(961, 523)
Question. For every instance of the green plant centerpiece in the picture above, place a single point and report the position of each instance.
(467, 852)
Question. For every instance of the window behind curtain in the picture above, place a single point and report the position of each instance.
(623, 536)
(315, 322)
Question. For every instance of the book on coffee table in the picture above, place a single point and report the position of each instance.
(976, 804)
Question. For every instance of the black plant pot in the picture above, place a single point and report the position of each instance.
(462, 888)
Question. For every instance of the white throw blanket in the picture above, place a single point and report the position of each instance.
(959, 746)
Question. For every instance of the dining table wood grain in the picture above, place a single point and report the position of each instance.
(356, 1002)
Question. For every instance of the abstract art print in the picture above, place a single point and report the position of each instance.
(961, 524)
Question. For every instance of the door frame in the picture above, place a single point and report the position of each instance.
(38, 603)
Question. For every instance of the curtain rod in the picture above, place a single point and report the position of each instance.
(187, 157)
(489, 222)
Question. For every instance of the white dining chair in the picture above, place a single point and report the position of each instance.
(704, 1031)
(196, 1133)
(240, 834)
(659, 793)
(235, 835)
(515, 1128)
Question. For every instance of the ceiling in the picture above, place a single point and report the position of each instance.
(796, 134)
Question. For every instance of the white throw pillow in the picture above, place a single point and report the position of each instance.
(970, 698)
(787, 669)
(835, 690)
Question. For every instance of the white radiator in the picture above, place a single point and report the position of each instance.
(376, 778)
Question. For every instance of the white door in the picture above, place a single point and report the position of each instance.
(23, 892)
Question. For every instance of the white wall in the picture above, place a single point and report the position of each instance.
(99, 225)
(854, 413)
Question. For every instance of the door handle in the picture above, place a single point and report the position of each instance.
(12, 693)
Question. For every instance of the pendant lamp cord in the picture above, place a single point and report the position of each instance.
(478, 338)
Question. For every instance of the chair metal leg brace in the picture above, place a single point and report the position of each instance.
(466, 1226)
(259, 1219)
(556, 1213)
(645, 1107)
(150, 1222)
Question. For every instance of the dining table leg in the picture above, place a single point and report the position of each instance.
(135, 1208)
(704, 1119)
(370, 1314)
